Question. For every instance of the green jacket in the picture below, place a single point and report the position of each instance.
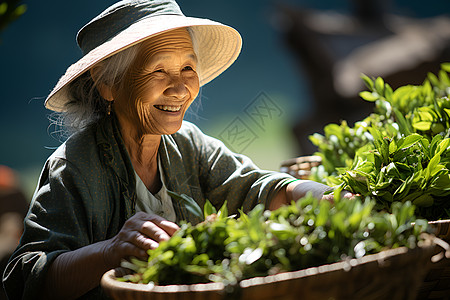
(86, 192)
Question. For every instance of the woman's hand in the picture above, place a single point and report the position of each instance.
(344, 194)
(74, 273)
(299, 189)
(140, 233)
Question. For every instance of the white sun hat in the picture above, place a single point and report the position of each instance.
(130, 22)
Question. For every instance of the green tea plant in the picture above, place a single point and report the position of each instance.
(423, 109)
(338, 147)
(403, 169)
(391, 154)
(304, 234)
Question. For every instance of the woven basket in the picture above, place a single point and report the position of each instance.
(300, 167)
(436, 284)
(391, 274)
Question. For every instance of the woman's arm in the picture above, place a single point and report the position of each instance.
(75, 273)
(297, 189)
(300, 188)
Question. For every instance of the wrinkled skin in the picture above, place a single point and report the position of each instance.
(151, 100)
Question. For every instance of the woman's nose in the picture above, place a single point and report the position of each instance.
(177, 89)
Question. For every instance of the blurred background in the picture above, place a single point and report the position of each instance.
(299, 70)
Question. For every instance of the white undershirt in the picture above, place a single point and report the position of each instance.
(159, 204)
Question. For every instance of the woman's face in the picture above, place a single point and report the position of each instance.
(160, 85)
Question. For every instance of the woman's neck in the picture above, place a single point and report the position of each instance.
(143, 152)
(142, 148)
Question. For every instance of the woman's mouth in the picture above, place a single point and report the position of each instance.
(168, 108)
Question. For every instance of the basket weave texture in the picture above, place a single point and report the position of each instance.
(300, 167)
(436, 284)
(390, 274)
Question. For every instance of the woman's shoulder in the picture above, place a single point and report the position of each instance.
(188, 128)
(79, 148)
(190, 135)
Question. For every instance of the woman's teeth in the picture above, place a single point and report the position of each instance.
(168, 108)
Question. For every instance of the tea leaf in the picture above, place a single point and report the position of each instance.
(368, 96)
(189, 203)
(208, 209)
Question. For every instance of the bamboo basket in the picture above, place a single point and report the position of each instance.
(390, 274)
(300, 167)
(436, 284)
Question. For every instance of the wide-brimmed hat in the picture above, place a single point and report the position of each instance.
(130, 22)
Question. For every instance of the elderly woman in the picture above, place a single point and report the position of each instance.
(103, 194)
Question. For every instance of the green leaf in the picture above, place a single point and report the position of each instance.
(443, 77)
(209, 209)
(433, 146)
(441, 185)
(422, 125)
(426, 89)
(322, 217)
(379, 85)
(189, 203)
(402, 190)
(425, 200)
(409, 140)
(223, 211)
(388, 92)
(433, 79)
(412, 195)
(377, 137)
(446, 67)
(391, 171)
(392, 147)
(368, 82)
(385, 150)
(368, 96)
(433, 167)
(316, 139)
(404, 126)
(443, 145)
(447, 111)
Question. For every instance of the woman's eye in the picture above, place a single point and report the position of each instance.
(158, 71)
(188, 68)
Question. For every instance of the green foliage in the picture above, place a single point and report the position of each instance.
(403, 169)
(304, 234)
(338, 147)
(390, 155)
(190, 204)
(10, 10)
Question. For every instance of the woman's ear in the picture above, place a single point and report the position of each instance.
(104, 90)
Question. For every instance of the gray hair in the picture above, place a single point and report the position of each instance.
(86, 105)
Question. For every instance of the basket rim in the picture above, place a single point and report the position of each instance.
(301, 159)
(109, 278)
(444, 221)
(442, 228)
(345, 265)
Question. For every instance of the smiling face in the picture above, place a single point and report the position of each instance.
(160, 85)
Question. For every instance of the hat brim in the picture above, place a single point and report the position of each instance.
(217, 47)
